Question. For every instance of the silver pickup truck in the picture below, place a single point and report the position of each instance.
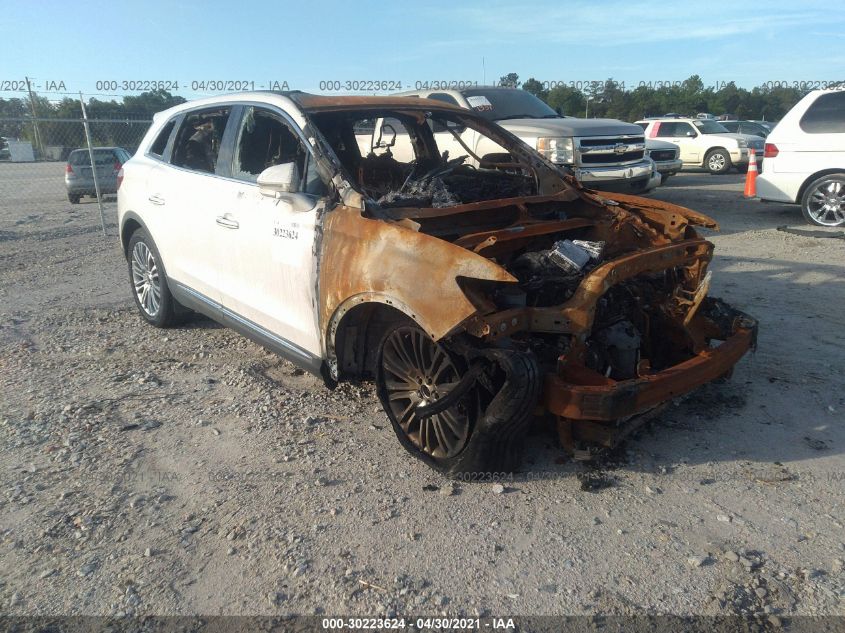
(604, 154)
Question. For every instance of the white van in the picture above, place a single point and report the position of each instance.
(804, 158)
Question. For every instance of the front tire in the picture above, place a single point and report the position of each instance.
(482, 432)
(717, 161)
(823, 202)
(148, 282)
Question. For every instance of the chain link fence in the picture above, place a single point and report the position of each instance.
(50, 164)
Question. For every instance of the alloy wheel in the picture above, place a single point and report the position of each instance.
(716, 162)
(416, 372)
(146, 279)
(826, 203)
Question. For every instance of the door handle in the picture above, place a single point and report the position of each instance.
(156, 199)
(228, 223)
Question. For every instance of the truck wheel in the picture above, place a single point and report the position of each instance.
(149, 282)
(482, 431)
(823, 202)
(717, 161)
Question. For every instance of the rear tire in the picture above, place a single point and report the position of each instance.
(717, 162)
(148, 282)
(823, 202)
(73, 198)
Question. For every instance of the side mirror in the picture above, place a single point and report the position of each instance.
(279, 179)
(282, 183)
(692, 134)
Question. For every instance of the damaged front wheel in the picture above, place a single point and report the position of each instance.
(461, 414)
(415, 371)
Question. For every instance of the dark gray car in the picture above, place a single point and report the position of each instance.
(79, 179)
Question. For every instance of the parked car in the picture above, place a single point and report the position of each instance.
(746, 127)
(666, 157)
(473, 295)
(79, 177)
(5, 154)
(704, 142)
(769, 125)
(805, 158)
(604, 154)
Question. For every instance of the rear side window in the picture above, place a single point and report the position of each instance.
(159, 145)
(198, 140)
(80, 157)
(826, 114)
(672, 128)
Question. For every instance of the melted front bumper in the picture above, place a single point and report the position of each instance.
(616, 400)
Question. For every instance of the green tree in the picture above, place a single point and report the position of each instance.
(566, 100)
(535, 88)
(146, 104)
(511, 80)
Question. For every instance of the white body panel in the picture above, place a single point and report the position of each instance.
(694, 149)
(273, 279)
(246, 253)
(801, 155)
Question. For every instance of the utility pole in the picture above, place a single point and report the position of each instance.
(35, 130)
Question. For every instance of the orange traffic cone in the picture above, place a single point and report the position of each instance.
(751, 176)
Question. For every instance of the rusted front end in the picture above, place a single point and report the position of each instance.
(587, 306)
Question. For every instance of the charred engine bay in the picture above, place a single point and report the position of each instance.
(446, 187)
(549, 247)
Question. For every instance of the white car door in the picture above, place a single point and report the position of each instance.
(183, 199)
(684, 136)
(269, 277)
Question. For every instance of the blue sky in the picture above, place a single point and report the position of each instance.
(303, 43)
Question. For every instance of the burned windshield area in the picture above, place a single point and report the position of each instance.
(422, 159)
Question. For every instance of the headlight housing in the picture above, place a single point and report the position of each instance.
(743, 144)
(559, 150)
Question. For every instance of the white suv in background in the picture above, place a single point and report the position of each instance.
(704, 142)
(805, 158)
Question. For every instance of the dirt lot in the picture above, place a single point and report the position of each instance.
(189, 471)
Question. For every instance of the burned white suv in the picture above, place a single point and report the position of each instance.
(475, 294)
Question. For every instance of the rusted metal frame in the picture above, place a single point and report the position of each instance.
(629, 397)
(576, 315)
(519, 231)
(640, 204)
(399, 213)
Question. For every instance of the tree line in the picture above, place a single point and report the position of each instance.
(121, 123)
(689, 97)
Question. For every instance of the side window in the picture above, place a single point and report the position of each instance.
(198, 140)
(667, 128)
(643, 125)
(265, 140)
(826, 114)
(160, 144)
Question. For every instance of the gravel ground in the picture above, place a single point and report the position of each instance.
(189, 471)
